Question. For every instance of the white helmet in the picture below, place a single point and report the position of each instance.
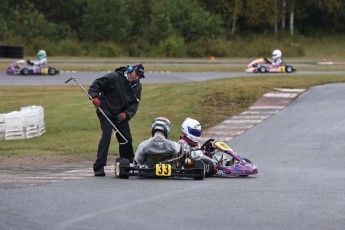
(161, 124)
(41, 54)
(191, 129)
(276, 54)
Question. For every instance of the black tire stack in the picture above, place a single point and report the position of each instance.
(11, 51)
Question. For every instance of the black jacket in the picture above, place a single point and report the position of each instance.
(116, 94)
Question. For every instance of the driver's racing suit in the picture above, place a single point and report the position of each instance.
(157, 144)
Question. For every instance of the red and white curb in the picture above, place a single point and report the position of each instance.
(41, 179)
(271, 103)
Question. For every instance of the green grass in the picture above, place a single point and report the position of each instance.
(73, 128)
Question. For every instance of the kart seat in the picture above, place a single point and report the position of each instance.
(154, 158)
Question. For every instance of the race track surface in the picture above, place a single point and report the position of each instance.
(86, 78)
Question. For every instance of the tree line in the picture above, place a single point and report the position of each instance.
(164, 28)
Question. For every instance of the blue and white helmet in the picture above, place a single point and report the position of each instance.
(161, 124)
(191, 129)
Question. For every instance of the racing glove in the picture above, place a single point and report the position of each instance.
(196, 154)
(121, 117)
(267, 60)
(29, 62)
(96, 102)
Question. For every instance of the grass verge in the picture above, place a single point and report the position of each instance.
(73, 128)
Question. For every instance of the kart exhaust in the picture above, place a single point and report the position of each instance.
(112, 124)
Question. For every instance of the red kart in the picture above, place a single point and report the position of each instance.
(262, 65)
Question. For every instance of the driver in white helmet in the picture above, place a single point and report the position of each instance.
(276, 58)
(40, 63)
(191, 134)
(158, 143)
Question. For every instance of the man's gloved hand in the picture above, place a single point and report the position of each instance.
(196, 154)
(96, 102)
(267, 60)
(121, 117)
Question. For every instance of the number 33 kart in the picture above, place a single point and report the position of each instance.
(162, 166)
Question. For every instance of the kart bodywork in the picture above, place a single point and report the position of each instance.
(228, 162)
(21, 67)
(161, 166)
(261, 66)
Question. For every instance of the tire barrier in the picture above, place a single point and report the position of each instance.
(11, 51)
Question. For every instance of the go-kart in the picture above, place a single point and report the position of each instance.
(161, 166)
(227, 161)
(262, 65)
(23, 67)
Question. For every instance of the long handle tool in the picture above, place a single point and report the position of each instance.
(112, 124)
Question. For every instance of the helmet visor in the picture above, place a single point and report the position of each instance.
(194, 132)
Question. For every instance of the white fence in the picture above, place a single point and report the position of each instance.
(26, 123)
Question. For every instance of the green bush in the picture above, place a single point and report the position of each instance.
(173, 46)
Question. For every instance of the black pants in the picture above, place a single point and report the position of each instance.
(126, 150)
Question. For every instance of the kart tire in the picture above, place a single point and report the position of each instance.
(262, 69)
(123, 174)
(117, 168)
(52, 71)
(199, 167)
(209, 167)
(25, 71)
(289, 69)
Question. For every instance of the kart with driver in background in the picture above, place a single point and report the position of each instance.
(227, 161)
(162, 166)
(24, 67)
(262, 65)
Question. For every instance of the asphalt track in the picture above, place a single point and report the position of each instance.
(301, 183)
(86, 78)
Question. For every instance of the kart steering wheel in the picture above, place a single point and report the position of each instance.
(207, 146)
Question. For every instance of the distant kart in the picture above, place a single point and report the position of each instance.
(162, 166)
(21, 67)
(228, 162)
(261, 66)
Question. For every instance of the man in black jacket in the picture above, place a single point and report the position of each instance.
(118, 95)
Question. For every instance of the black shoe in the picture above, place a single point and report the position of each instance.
(100, 171)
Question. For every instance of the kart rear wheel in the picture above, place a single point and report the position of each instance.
(289, 69)
(209, 167)
(24, 71)
(52, 71)
(120, 163)
(262, 69)
(117, 167)
(200, 168)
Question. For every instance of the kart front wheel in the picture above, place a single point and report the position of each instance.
(209, 167)
(262, 69)
(24, 71)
